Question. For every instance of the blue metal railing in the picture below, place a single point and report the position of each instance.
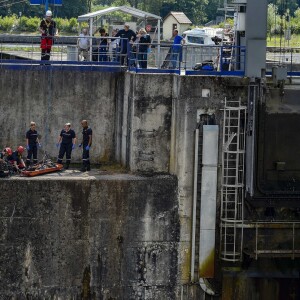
(115, 54)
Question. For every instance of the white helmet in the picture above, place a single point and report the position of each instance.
(48, 13)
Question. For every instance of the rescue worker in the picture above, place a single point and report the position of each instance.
(66, 143)
(4, 167)
(15, 158)
(86, 144)
(32, 143)
(48, 30)
(4, 153)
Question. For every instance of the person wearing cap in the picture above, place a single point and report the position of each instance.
(16, 159)
(48, 31)
(32, 143)
(127, 36)
(5, 153)
(86, 144)
(66, 143)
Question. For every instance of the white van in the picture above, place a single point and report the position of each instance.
(197, 36)
(201, 36)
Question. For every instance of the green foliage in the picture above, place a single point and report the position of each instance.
(62, 24)
(8, 23)
(73, 25)
(12, 23)
(29, 24)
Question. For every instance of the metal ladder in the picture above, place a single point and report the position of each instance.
(232, 191)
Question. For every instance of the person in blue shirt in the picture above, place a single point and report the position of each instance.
(66, 143)
(86, 144)
(32, 143)
(176, 50)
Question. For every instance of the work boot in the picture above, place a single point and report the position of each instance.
(83, 167)
(67, 166)
(88, 167)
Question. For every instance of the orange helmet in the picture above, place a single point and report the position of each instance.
(20, 149)
(8, 151)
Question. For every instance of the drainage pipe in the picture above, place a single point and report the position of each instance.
(209, 182)
(194, 205)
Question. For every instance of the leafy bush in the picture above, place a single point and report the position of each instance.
(31, 24)
(73, 25)
(8, 23)
(62, 24)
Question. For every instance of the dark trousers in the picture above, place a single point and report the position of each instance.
(65, 149)
(103, 54)
(85, 156)
(32, 152)
(142, 57)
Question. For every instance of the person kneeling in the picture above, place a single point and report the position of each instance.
(16, 159)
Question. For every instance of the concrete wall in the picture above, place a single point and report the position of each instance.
(145, 121)
(52, 98)
(92, 238)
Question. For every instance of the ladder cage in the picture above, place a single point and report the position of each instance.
(233, 174)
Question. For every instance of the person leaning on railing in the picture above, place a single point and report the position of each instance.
(48, 30)
(127, 36)
(176, 49)
(83, 45)
(103, 45)
(143, 47)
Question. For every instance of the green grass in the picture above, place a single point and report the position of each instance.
(276, 41)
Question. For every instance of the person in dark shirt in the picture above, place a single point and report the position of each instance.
(4, 165)
(66, 143)
(103, 45)
(5, 153)
(48, 30)
(32, 143)
(127, 36)
(144, 44)
(86, 145)
(16, 159)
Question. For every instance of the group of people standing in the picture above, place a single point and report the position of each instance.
(124, 45)
(66, 143)
(129, 47)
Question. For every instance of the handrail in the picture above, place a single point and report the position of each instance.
(137, 57)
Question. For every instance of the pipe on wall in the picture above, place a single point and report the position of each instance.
(208, 203)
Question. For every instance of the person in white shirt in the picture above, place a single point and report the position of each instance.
(83, 44)
(113, 46)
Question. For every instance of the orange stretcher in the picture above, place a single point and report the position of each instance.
(40, 170)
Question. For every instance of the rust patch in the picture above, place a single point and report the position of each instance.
(86, 290)
(207, 268)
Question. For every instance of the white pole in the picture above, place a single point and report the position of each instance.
(91, 38)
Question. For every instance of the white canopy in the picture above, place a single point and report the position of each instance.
(125, 9)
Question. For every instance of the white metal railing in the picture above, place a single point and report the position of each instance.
(232, 191)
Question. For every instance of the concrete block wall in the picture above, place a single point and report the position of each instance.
(52, 98)
(89, 238)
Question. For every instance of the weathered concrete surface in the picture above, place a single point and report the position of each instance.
(89, 237)
(52, 98)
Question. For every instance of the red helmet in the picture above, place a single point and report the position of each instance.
(20, 149)
(8, 151)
